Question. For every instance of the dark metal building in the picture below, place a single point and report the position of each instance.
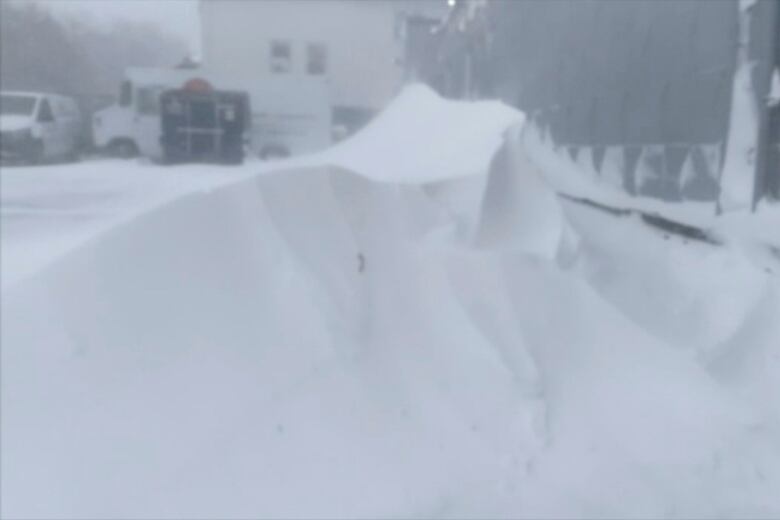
(653, 77)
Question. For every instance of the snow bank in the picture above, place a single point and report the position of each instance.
(301, 336)
(319, 343)
(234, 352)
(695, 296)
(421, 137)
(519, 211)
(702, 306)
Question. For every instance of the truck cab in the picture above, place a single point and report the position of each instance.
(132, 125)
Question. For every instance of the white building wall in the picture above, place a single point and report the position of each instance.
(363, 38)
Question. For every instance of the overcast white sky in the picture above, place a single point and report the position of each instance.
(179, 17)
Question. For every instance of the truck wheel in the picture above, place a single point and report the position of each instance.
(124, 148)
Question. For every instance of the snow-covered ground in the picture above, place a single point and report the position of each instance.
(49, 210)
(411, 324)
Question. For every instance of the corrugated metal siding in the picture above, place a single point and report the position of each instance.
(609, 72)
(653, 77)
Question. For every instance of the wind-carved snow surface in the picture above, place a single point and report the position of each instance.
(319, 343)
(672, 342)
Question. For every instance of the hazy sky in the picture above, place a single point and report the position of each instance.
(179, 17)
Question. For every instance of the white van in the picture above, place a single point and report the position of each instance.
(290, 115)
(37, 127)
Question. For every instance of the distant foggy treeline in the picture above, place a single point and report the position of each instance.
(41, 52)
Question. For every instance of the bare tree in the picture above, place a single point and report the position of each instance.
(40, 52)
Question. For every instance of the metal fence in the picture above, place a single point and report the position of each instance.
(653, 78)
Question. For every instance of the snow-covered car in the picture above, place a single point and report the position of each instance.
(38, 127)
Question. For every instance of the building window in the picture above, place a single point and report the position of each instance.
(281, 57)
(316, 59)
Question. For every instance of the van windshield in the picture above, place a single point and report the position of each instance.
(13, 105)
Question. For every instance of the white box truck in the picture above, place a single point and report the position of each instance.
(289, 115)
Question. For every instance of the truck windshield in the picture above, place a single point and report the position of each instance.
(149, 100)
(16, 105)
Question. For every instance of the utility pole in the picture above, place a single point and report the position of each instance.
(741, 143)
(766, 141)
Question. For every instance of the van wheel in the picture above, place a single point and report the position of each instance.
(236, 158)
(124, 148)
(35, 153)
(73, 156)
(274, 152)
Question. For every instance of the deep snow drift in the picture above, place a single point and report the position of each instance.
(48, 211)
(317, 342)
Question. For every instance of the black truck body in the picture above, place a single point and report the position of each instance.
(204, 125)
